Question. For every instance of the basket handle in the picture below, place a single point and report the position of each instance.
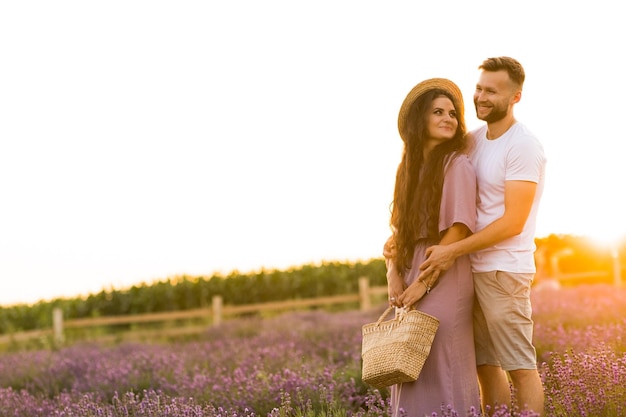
(403, 311)
(382, 316)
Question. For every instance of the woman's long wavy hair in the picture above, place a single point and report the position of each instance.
(419, 182)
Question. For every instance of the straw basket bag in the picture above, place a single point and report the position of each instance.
(394, 351)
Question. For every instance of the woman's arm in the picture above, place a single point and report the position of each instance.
(395, 283)
(418, 288)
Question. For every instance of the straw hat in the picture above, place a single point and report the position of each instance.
(423, 87)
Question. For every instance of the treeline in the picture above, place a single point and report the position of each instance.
(575, 254)
(187, 293)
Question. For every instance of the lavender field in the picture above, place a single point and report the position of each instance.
(305, 364)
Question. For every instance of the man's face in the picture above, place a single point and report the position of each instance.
(493, 96)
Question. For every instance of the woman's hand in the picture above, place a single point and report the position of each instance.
(412, 294)
(395, 284)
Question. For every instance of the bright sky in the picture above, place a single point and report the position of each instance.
(142, 140)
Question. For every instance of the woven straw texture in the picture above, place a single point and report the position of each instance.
(394, 351)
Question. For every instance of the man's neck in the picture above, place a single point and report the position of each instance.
(499, 128)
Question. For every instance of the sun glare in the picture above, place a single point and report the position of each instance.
(609, 239)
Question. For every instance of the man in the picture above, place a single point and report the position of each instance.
(510, 168)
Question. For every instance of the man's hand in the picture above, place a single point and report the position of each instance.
(439, 258)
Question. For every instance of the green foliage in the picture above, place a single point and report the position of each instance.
(308, 281)
(186, 293)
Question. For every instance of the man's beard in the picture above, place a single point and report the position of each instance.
(496, 114)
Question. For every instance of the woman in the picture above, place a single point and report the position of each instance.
(434, 203)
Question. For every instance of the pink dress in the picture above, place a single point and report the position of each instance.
(449, 374)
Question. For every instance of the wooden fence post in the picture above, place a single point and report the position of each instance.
(57, 325)
(217, 303)
(364, 293)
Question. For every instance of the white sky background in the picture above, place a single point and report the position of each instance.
(141, 140)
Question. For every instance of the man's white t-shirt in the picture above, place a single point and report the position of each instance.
(517, 155)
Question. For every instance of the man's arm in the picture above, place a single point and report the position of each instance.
(518, 201)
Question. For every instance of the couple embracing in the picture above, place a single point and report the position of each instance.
(462, 246)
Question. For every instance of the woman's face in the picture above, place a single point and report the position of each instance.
(441, 121)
